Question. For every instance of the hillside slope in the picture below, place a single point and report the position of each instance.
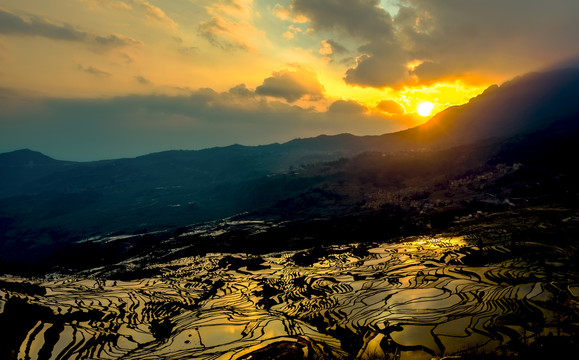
(532, 120)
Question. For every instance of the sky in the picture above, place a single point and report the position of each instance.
(97, 79)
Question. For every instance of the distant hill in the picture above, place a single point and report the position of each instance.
(21, 168)
(25, 157)
(46, 202)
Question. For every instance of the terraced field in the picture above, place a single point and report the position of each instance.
(419, 298)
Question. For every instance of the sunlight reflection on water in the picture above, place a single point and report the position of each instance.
(415, 293)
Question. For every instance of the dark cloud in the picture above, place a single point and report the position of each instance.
(347, 107)
(381, 64)
(391, 107)
(12, 24)
(430, 71)
(332, 50)
(241, 90)
(491, 36)
(451, 37)
(337, 48)
(94, 71)
(381, 61)
(360, 18)
(292, 85)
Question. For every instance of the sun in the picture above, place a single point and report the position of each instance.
(425, 108)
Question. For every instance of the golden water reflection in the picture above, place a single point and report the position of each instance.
(423, 296)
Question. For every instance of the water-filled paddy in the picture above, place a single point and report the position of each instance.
(418, 298)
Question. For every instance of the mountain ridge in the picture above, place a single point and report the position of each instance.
(557, 84)
(326, 176)
(32, 157)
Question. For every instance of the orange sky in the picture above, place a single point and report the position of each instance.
(277, 69)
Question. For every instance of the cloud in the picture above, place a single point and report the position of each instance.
(450, 38)
(231, 26)
(329, 49)
(15, 25)
(381, 61)
(241, 90)
(325, 48)
(150, 11)
(292, 31)
(212, 29)
(361, 18)
(126, 58)
(336, 47)
(292, 85)
(281, 13)
(188, 50)
(155, 13)
(228, 35)
(346, 107)
(94, 71)
(380, 65)
(112, 40)
(491, 36)
(285, 14)
(235, 8)
(114, 4)
(391, 107)
(142, 80)
(12, 24)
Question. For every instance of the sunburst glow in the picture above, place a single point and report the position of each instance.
(425, 108)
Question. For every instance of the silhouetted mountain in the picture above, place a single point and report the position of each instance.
(523, 105)
(516, 135)
(21, 168)
(25, 157)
